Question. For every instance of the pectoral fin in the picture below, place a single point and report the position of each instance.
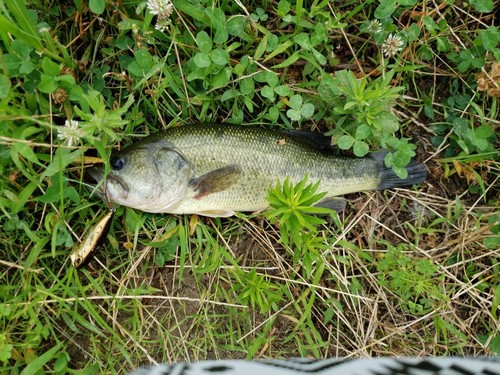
(216, 180)
(336, 204)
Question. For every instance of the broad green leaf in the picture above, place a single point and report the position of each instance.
(97, 6)
(443, 44)
(239, 69)
(327, 89)
(481, 144)
(283, 8)
(221, 35)
(484, 131)
(460, 126)
(295, 102)
(345, 142)
(66, 78)
(221, 78)
(78, 5)
(272, 79)
(219, 56)
(202, 60)
(483, 6)
(26, 67)
(204, 42)
(401, 159)
(385, 9)
(49, 67)
(196, 74)
(228, 94)
(490, 38)
(267, 92)
(282, 90)
(320, 58)
(293, 114)
(478, 62)
(247, 86)
(307, 110)
(12, 63)
(21, 49)
(47, 84)
(463, 66)
(495, 345)
(235, 26)
(413, 32)
(362, 132)
(5, 352)
(401, 172)
(4, 86)
(249, 104)
(360, 148)
(144, 58)
(274, 113)
(319, 35)
(303, 40)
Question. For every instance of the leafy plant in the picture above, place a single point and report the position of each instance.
(298, 109)
(211, 62)
(413, 280)
(259, 15)
(98, 120)
(466, 136)
(254, 288)
(364, 121)
(293, 207)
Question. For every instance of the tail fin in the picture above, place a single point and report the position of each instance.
(388, 179)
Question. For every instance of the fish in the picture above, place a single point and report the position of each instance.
(219, 169)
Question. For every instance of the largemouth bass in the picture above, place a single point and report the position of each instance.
(217, 170)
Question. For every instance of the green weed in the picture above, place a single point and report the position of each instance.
(415, 281)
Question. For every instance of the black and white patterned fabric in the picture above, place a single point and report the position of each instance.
(368, 366)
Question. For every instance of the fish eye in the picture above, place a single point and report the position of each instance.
(117, 163)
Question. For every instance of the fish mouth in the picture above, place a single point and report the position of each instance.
(96, 172)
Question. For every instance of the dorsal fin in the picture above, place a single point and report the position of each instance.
(313, 139)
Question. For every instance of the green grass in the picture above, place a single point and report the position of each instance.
(403, 272)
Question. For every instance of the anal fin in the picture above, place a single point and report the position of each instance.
(333, 203)
(216, 213)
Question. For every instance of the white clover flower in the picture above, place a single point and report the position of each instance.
(161, 8)
(70, 132)
(374, 26)
(392, 45)
(162, 23)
